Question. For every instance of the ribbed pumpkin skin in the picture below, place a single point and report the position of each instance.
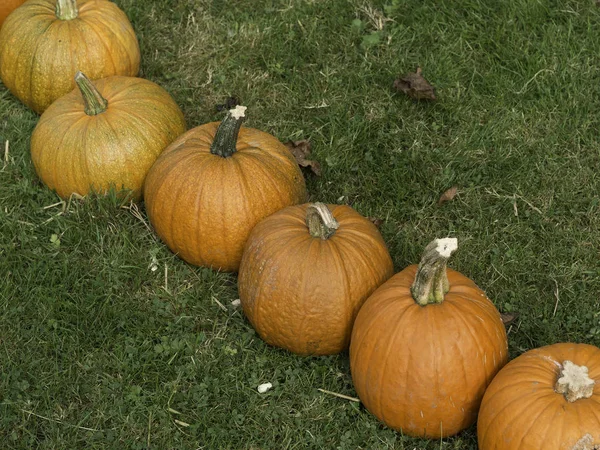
(203, 206)
(8, 6)
(522, 411)
(40, 54)
(302, 293)
(73, 152)
(424, 370)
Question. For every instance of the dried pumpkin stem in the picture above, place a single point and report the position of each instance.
(431, 281)
(225, 141)
(320, 221)
(574, 382)
(94, 102)
(66, 9)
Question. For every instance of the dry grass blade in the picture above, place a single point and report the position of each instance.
(335, 394)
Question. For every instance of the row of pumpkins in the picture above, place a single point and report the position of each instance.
(427, 347)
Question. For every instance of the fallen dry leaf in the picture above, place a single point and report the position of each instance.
(301, 151)
(508, 318)
(448, 195)
(376, 221)
(230, 103)
(415, 86)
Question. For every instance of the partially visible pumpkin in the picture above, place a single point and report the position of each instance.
(8, 6)
(547, 398)
(45, 42)
(214, 184)
(305, 273)
(104, 135)
(425, 346)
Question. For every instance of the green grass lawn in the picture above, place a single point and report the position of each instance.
(98, 351)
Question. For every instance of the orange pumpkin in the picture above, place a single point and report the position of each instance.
(45, 42)
(104, 136)
(547, 398)
(8, 6)
(425, 346)
(208, 190)
(305, 273)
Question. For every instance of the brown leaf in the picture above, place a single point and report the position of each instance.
(230, 103)
(301, 151)
(415, 86)
(508, 318)
(376, 221)
(448, 195)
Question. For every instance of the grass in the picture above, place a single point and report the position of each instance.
(99, 351)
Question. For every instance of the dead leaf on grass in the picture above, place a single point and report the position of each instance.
(301, 151)
(508, 318)
(415, 86)
(448, 195)
(230, 103)
(376, 221)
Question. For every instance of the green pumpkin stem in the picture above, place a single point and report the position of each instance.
(320, 221)
(225, 141)
(66, 9)
(94, 102)
(574, 382)
(431, 281)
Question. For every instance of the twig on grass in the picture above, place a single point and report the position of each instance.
(60, 422)
(556, 295)
(335, 394)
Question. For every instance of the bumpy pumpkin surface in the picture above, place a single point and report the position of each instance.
(300, 288)
(209, 188)
(45, 42)
(103, 137)
(8, 6)
(547, 398)
(425, 346)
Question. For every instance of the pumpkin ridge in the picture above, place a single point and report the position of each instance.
(118, 15)
(23, 40)
(100, 38)
(534, 422)
(517, 400)
(292, 247)
(270, 181)
(351, 310)
(378, 316)
(393, 336)
(466, 317)
(32, 66)
(482, 306)
(57, 152)
(359, 249)
(265, 253)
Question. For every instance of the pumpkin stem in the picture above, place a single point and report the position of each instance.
(94, 102)
(225, 141)
(431, 281)
(574, 382)
(66, 9)
(320, 221)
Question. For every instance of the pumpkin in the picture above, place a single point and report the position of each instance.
(305, 273)
(7, 7)
(210, 187)
(547, 398)
(425, 346)
(104, 135)
(45, 42)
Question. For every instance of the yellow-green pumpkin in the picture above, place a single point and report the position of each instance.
(44, 43)
(103, 135)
